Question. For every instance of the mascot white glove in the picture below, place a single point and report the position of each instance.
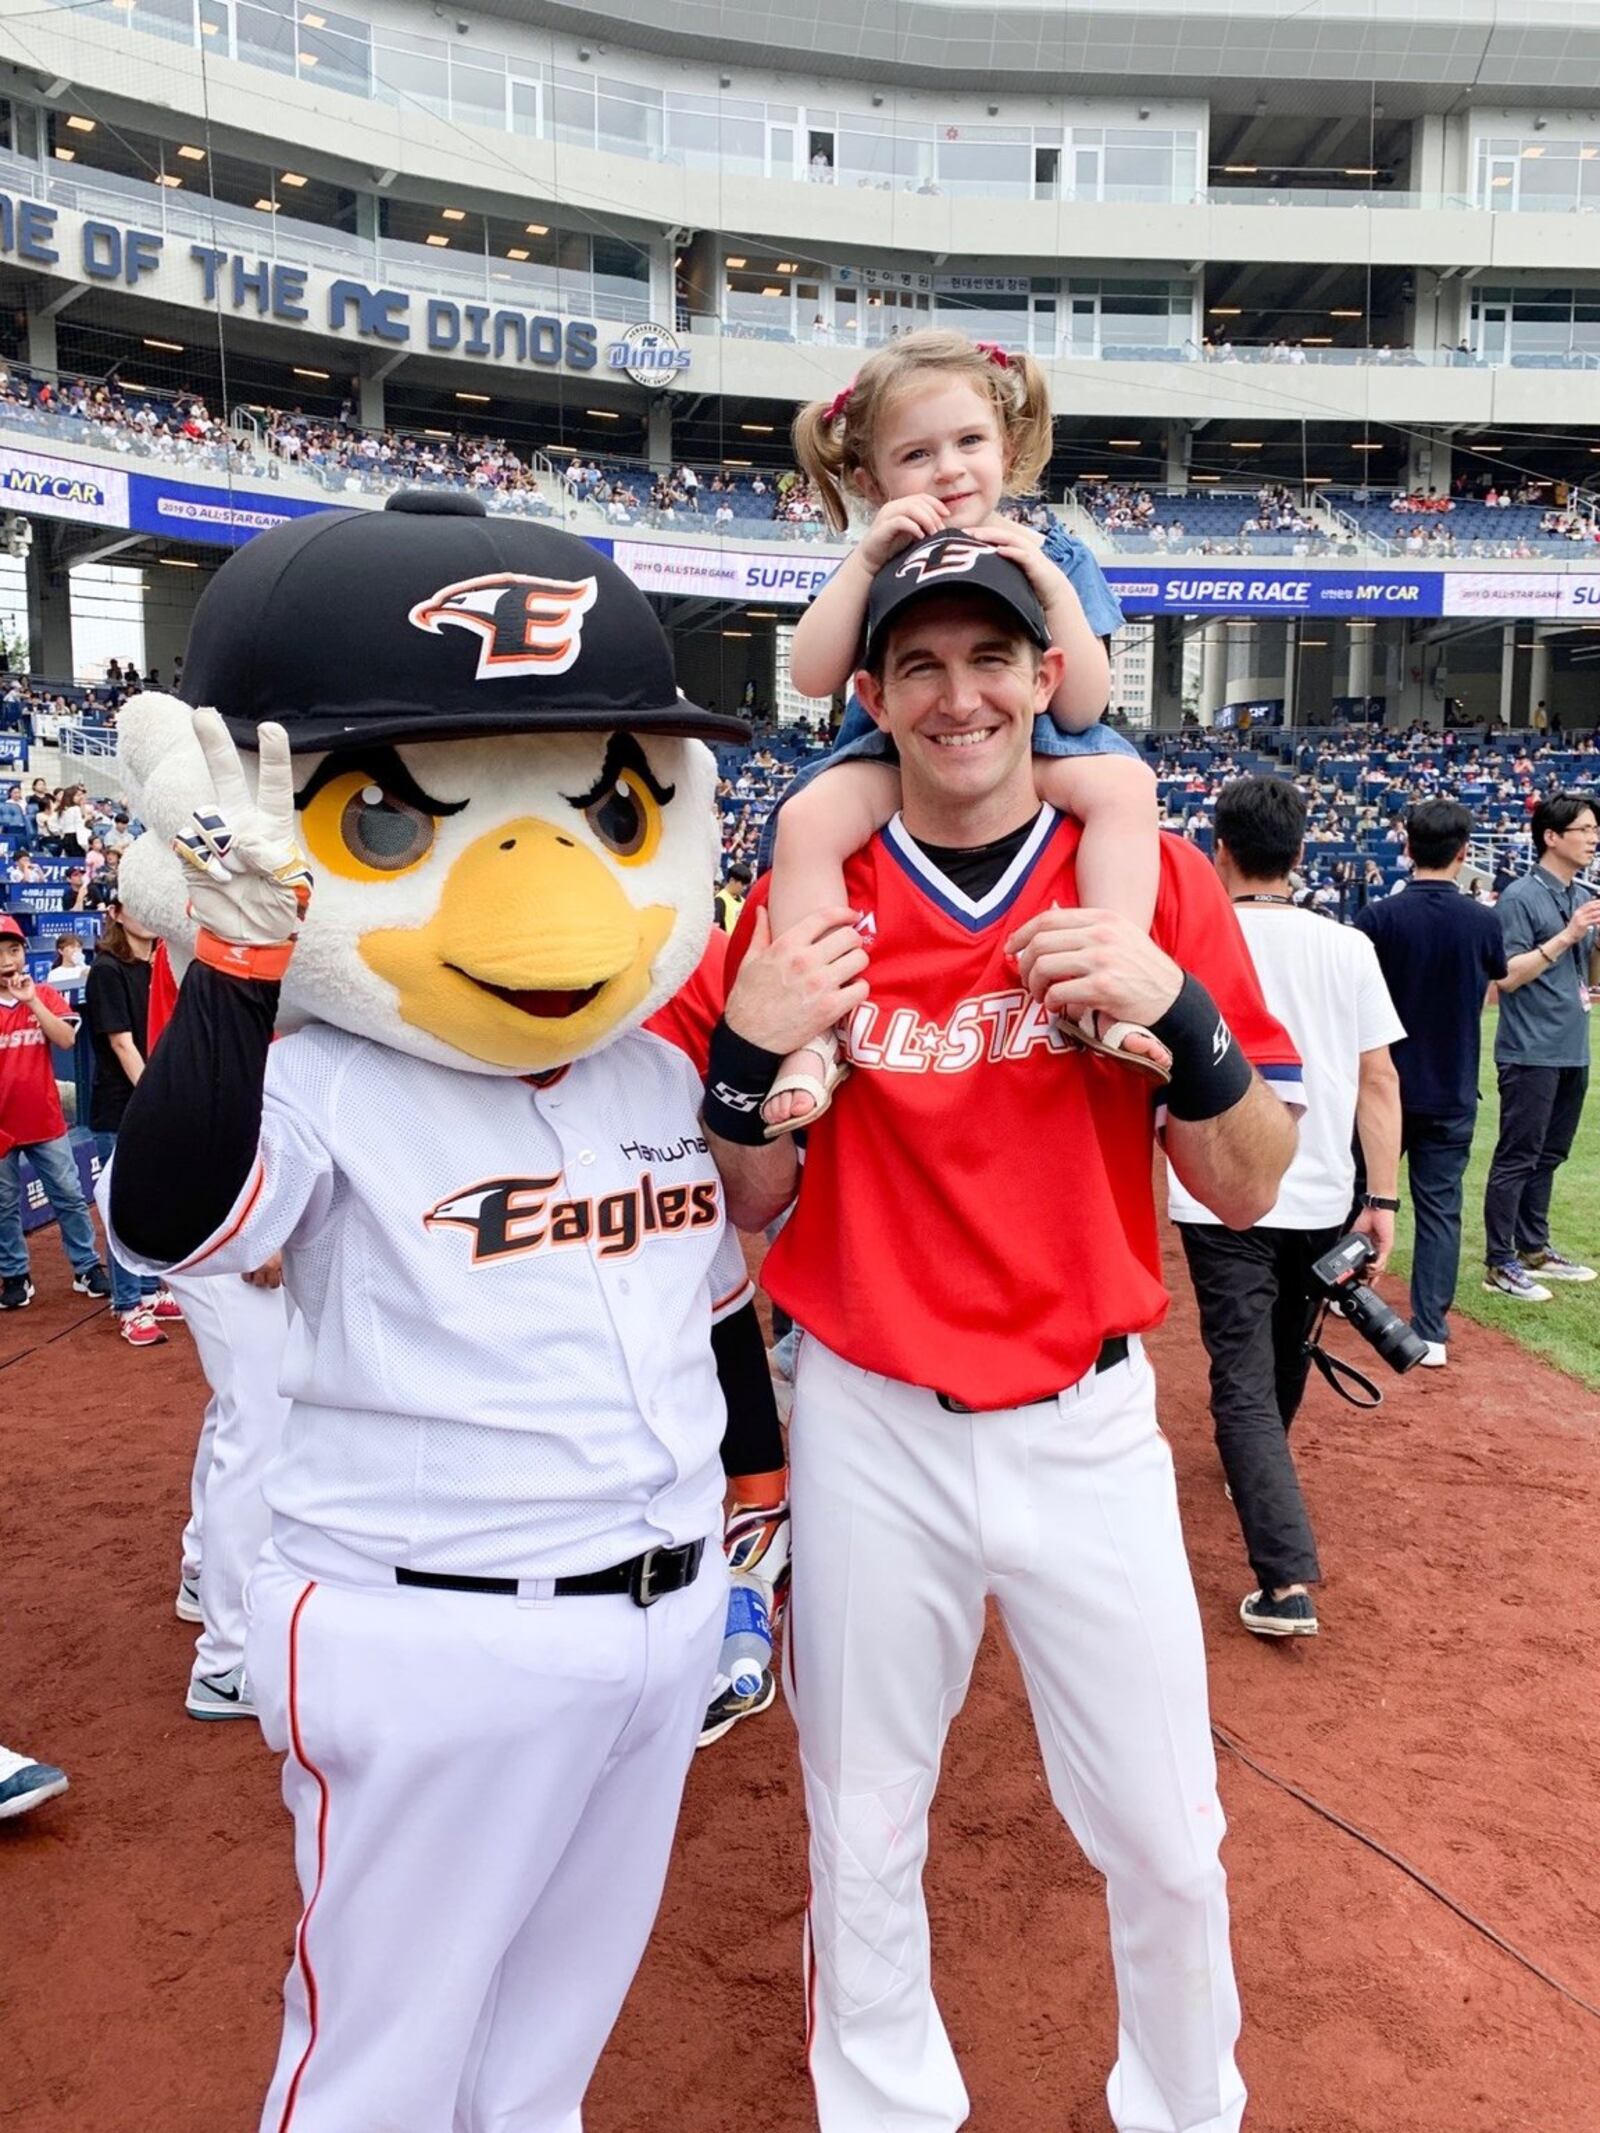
(249, 883)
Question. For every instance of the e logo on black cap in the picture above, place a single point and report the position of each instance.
(527, 625)
(944, 557)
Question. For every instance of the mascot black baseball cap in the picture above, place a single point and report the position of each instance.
(949, 563)
(430, 620)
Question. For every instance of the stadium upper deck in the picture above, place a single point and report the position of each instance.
(1344, 249)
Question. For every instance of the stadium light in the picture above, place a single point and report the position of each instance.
(603, 414)
(192, 155)
(453, 214)
(1243, 444)
(320, 374)
(788, 266)
(736, 462)
(266, 207)
(437, 237)
(482, 399)
(176, 562)
(306, 59)
(1485, 447)
(1366, 448)
(288, 177)
(1240, 170)
(1132, 444)
(171, 347)
(168, 178)
(313, 22)
(537, 229)
(66, 155)
(733, 260)
(1226, 311)
(81, 125)
(757, 429)
(738, 633)
(1347, 314)
(517, 251)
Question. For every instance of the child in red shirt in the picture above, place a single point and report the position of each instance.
(32, 1019)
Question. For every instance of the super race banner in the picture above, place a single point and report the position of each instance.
(1226, 586)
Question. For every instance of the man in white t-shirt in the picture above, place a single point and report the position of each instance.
(1322, 981)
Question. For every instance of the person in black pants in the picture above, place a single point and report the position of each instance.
(1439, 952)
(1323, 983)
(1547, 918)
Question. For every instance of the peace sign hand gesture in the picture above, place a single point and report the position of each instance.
(249, 883)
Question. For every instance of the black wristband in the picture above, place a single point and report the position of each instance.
(739, 1077)
(1209, 1072)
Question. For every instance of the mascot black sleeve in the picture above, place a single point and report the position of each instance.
(189, 1135)
(753, 1441)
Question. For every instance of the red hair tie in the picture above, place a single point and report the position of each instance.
(992, 352)
(837, 405)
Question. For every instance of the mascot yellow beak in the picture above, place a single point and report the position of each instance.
(533, 955)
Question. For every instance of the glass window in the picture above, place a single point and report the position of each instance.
(411, 80)
(881, 156)
(477, 94)
(265, 39)
(525, 107)
(990, 167)
(572, 113)
(624, 261)
(168, 18)
(216, 27)
(337, 62)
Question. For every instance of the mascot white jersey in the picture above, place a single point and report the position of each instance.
(449, 827)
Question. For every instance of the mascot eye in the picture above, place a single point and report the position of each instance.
(627, 819)
(356, 829)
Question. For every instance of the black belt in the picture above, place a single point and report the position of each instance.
(644, 1580)
(1112, 1352)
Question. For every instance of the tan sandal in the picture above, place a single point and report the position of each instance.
(1109, 1041)
(834, 1070)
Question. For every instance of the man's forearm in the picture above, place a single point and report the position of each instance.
(1235, 1163)
(1378, 1130)
(758, 1183)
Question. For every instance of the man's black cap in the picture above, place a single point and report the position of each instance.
(430, 620)
(950, 563)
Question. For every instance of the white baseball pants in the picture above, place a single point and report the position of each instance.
(484, 1793)
(239, 1332)
(905, 1518)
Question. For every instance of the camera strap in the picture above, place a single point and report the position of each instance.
(1339, 1375)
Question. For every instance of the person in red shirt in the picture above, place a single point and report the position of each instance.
(973, 1257)
(32, 1019)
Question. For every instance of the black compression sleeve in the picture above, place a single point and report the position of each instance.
(188, 1138)
(753, 1441)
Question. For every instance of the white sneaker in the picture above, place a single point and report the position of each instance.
(220, 1695)
(187, 1604)
(1436, 1357)
(26, 1784)
(1552, 1265)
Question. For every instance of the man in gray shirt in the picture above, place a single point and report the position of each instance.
(1542, 1048)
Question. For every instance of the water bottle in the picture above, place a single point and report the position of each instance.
(747, 1640)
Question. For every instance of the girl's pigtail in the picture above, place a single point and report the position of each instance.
(819, 454)
(1029, 433)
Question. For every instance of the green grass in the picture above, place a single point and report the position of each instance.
(1565, 1331)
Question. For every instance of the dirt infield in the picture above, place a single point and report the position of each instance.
(1450, 1710)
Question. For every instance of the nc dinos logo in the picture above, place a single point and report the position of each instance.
(525, 625)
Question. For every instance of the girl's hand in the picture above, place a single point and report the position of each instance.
(898, 524)
(1024, 547)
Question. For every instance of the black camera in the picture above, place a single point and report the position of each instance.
(1336, 1279)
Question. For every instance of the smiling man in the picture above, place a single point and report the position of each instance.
(973, 1256)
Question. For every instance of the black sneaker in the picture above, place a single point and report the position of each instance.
(93, 1281)
(1294, 1616)
(16, 1293)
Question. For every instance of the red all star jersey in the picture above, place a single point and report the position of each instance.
(976, 1211)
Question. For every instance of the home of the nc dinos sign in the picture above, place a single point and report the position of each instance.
(83, 248)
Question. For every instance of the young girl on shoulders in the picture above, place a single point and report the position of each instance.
(931, 435)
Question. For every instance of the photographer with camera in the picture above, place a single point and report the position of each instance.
(1255, 1288)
